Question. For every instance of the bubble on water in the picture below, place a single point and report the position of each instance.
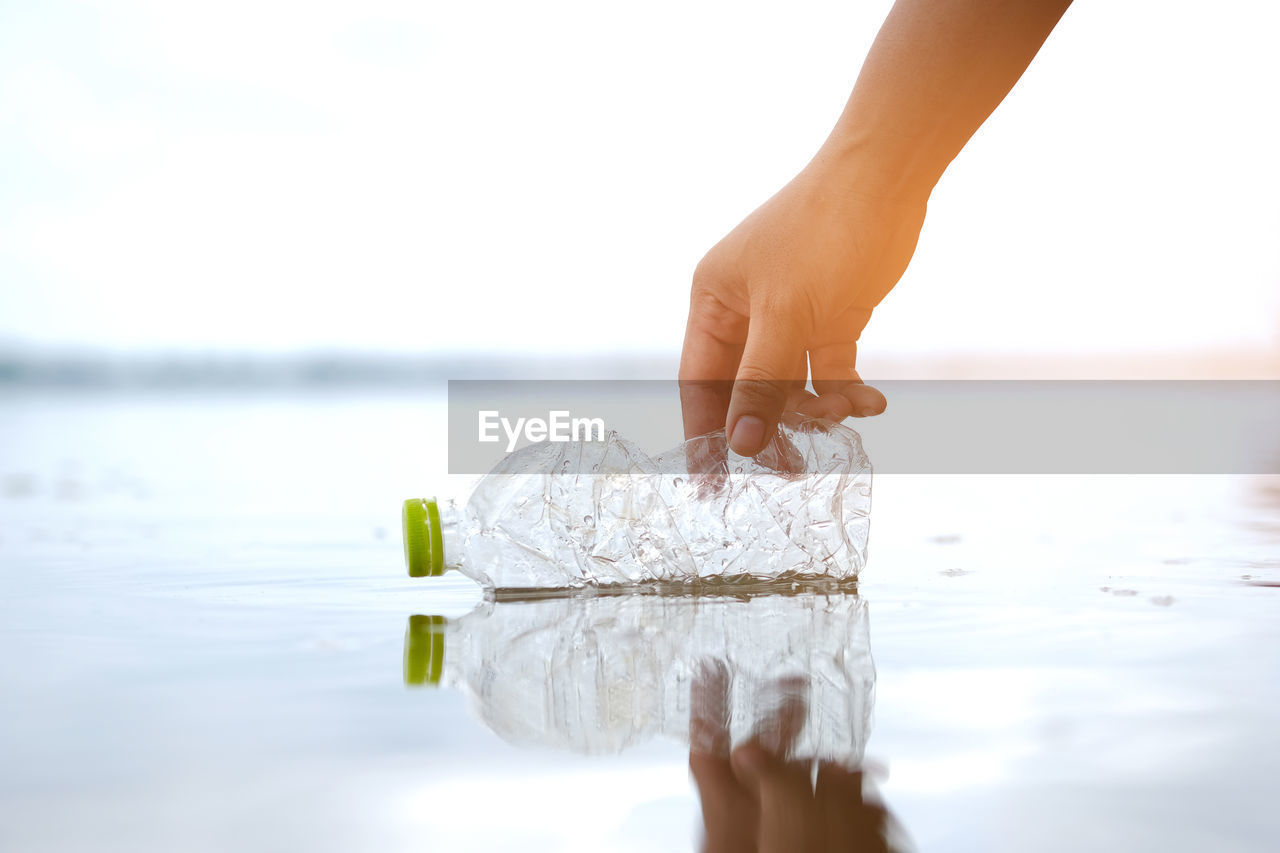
(738, 470)
(677, 482)
(565, 465)
(586, 519)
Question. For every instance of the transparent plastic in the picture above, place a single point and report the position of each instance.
(576, 514)
(604, 673)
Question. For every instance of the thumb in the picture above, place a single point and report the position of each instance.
(766, 376)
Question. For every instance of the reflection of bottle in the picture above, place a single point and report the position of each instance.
(602, 673)
(571, 514)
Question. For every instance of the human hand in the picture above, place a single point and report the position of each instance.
(787, 294)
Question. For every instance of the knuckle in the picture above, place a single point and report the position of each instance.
(756, 385)
(706, 276)
(749, 372)
(787, 308)
(773, 300)
(709, 313)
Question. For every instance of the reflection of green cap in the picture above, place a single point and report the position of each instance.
(423, 542)
(423, 650)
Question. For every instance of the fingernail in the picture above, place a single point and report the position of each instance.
(747, 435)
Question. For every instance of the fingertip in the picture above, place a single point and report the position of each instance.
(865, 400)
(835, 407)
(747, 435)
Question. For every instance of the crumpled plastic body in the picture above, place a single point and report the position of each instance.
(576, 514)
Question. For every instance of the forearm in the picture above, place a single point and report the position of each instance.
(937, 69)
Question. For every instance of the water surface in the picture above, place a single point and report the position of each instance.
(202, 648)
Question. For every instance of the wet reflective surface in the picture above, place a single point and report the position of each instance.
(203, 646)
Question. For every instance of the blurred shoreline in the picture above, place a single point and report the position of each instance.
(93, 370)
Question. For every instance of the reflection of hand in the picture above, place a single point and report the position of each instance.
(756, 797)
(795, 814)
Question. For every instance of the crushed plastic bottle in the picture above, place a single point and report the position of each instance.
(603, 673)
(586, 513)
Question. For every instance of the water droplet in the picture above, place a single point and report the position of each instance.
(738, 470)
(586, 519)
(677, 482)
(565, 465)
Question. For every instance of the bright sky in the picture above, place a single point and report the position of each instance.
(254, 174)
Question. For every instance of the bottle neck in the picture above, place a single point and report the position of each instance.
(450, 535)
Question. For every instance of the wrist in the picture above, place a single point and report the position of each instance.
(876, 166)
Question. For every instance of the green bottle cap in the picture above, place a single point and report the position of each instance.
(424, 650)
(423, 541)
